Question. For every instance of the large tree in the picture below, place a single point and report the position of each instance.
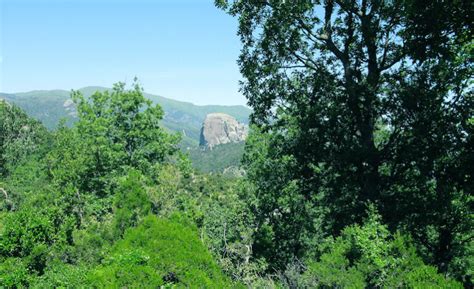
(359, 102)
(118, 131)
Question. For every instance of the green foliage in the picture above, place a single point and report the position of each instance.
(23, 181)
(99, 180)
(221, 207)
(36, 235)
(111, 203)
(227, 222)
(131, 202)
(218, 159)
(60, 275)
(13, 273)
(369, 256)
(91, 242)
(20, 137)
(117, 132)
(360, 102)
(160, 252)
(283, 213)
(24, 231)
(122, 128)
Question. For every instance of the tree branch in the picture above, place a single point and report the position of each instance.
(307, 62)
(350, 35)
(309, 33)
(291, 66)
(4, 193)
(327, 37)
(384, 65)
(349, 9)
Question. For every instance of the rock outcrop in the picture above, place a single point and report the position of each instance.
(70, 107)
(221, 128)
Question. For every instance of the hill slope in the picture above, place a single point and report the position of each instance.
(218, 159)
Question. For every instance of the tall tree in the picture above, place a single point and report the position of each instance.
(366, 101)
(117, 131)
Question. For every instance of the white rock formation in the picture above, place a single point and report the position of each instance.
(221, 128)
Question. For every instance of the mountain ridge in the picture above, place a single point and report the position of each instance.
(48, 106)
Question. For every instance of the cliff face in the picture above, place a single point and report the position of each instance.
(221, 128)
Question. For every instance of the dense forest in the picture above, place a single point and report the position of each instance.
(357, 172)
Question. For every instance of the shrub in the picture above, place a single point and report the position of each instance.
(370, 256)
(160, 252)
(13, 273)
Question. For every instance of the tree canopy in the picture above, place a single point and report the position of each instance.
(357, 103)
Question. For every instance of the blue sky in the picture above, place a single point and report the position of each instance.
(181, 49)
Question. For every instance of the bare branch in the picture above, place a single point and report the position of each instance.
(307, 62)
(309, 33)
(389, 29)
(291, 66)
(328, 34)
(349, 9)
(384, 65)
(4, 193)
(350, 35)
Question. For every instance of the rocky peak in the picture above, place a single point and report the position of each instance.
(221, 128)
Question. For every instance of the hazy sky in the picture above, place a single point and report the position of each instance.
(181, 49)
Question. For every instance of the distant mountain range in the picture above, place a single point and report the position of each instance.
(50, 106)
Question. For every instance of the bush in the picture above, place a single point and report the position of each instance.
(60, 275)
(160, 252)
(131, 201)
(13, 273)
(369, 256)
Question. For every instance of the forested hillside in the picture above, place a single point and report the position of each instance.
(217, 160)
(357, 171)
(51, 106)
